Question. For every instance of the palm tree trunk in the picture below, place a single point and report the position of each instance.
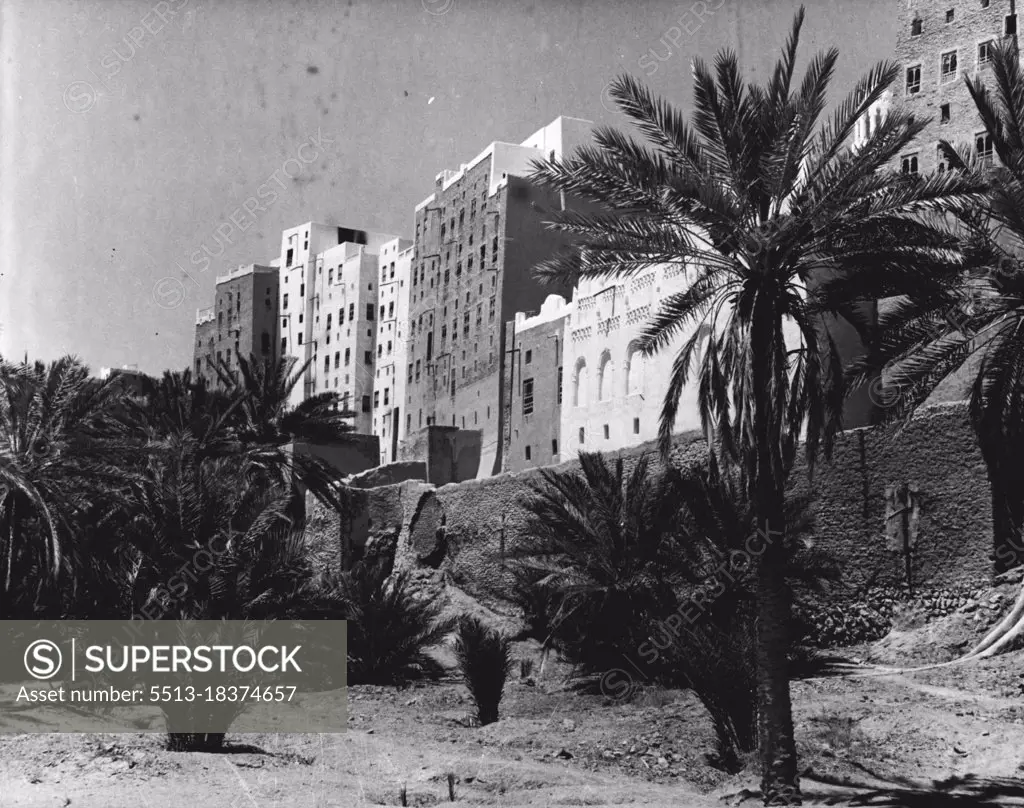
(1007, 524)
(776, 741)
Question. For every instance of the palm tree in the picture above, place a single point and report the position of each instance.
(614, 558)
(973, 322)
(270, 427)
(762, 204)
(55, 465)
(603, 545)
(250, 419)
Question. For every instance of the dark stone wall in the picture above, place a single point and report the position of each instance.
(466, 530)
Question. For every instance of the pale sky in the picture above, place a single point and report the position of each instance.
(129, 136)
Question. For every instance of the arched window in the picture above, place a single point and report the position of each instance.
(634, 370)
(605, 374)
(579, 390)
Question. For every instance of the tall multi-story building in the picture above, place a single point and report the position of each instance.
(328, 303)
(395, 270)
(937, 43)
(534, 386)
(241, 322)
(478, 238)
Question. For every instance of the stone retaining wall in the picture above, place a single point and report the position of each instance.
(892, 502)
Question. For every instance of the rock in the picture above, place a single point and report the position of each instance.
(1013, 576)
(564, 754)
(568, 725)
(607, 754)
(662, 762)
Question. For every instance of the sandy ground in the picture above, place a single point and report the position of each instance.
(897, 734)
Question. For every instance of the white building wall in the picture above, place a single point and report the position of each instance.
(612, 395)
(394, 271)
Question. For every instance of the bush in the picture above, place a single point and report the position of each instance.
(389, 629)
(485, 659)
(601, 560)
(720, 666)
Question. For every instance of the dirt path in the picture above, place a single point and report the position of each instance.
(552, 747)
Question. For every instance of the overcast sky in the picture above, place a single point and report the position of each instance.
(133, 131)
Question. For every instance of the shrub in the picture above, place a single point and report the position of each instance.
(719, 664)
(600, 561)
(485, 659)
(389, 629)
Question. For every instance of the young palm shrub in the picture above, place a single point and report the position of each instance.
(763, 204)
(485, 659)
(211, 541)
(389, 629)
(602, 557)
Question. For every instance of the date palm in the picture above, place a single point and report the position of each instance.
(55, 465)
(771, 213)
(973, 325)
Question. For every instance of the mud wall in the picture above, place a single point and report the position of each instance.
(892, 503)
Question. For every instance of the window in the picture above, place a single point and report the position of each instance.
(916, 27)
(950, 15)
(300, 339)
(351, 311)
(940, 160)
(913, 80)
(327, 364)
(366, 403)
(634, 371)
(369, 311)
(909, 164)
(636, 426)
(284, 345)
(559, 384)
(529, 357)
(288, 257)
(985, 52)
(554, 446)
(527, 452)
(348, 356)
(367, 357)
(386, 389)
(527, 396)
(579, 396)
(376, 398)
(583, 434)
(1010, 26)
(983, 144)
(302, 290)
(607, 431)
(604, 386)
(948, 66)
(944, 113)
(330, 275)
